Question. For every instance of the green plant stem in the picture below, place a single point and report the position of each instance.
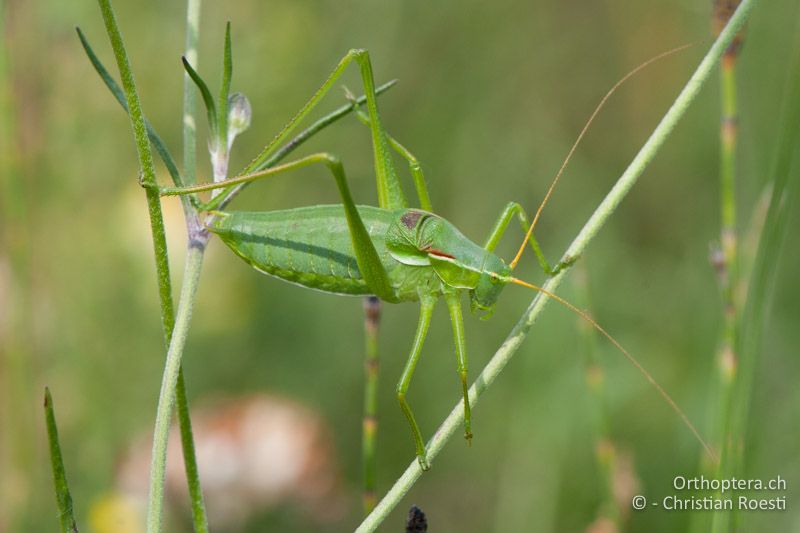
(166, 399)
(727, 264)
(372, 317)
(145, 161)
(164, 283)
(609, 204)
(199, 516)
(189, 96)
(785, 179)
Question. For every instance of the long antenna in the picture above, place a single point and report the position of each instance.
(580, 137)
(631, 358)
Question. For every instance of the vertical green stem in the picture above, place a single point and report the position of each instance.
(372, 317)
(785, 180)
(727, 263)
(189, 94)
(155, 509)
(199, 517)
(726, 260)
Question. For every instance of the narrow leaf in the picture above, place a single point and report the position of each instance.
(208, 100)
(224, 90)
(63, 497)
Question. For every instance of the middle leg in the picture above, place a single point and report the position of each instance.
(453, 300)
(427, 304)
(511, 209)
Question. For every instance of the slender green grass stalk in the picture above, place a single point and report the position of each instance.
(189, 95)
(372, 318)
(166, 399)
(63, 497)
(785, 178)
(606, 208)
(725, 259)
(155, 508)
(199, 516)
(198, 507)
(594, 377)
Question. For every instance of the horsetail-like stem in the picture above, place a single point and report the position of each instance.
(517, 335)
(725, 257)
(785, 188)
(372, 318)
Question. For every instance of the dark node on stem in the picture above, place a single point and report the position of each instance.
(417, 521)
(717, 259)
(372, 318)
(372, 309)
(723, 11)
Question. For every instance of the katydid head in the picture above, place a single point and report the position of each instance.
(424, 239)
(492, 280)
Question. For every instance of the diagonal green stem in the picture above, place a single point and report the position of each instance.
(579, 244)
(166, 399)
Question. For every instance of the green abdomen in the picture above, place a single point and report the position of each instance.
(311, 246)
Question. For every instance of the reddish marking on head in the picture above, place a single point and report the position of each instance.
(438, 253)
(411, 218)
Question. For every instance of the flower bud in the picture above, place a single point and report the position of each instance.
(239, 115)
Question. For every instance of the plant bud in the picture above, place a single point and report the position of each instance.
(239, 115)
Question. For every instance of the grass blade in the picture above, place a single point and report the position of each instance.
(63, 498)
(224, 91)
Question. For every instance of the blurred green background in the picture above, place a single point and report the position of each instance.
(491, 96)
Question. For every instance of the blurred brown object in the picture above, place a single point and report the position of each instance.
(254, 454)
(723, 11)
